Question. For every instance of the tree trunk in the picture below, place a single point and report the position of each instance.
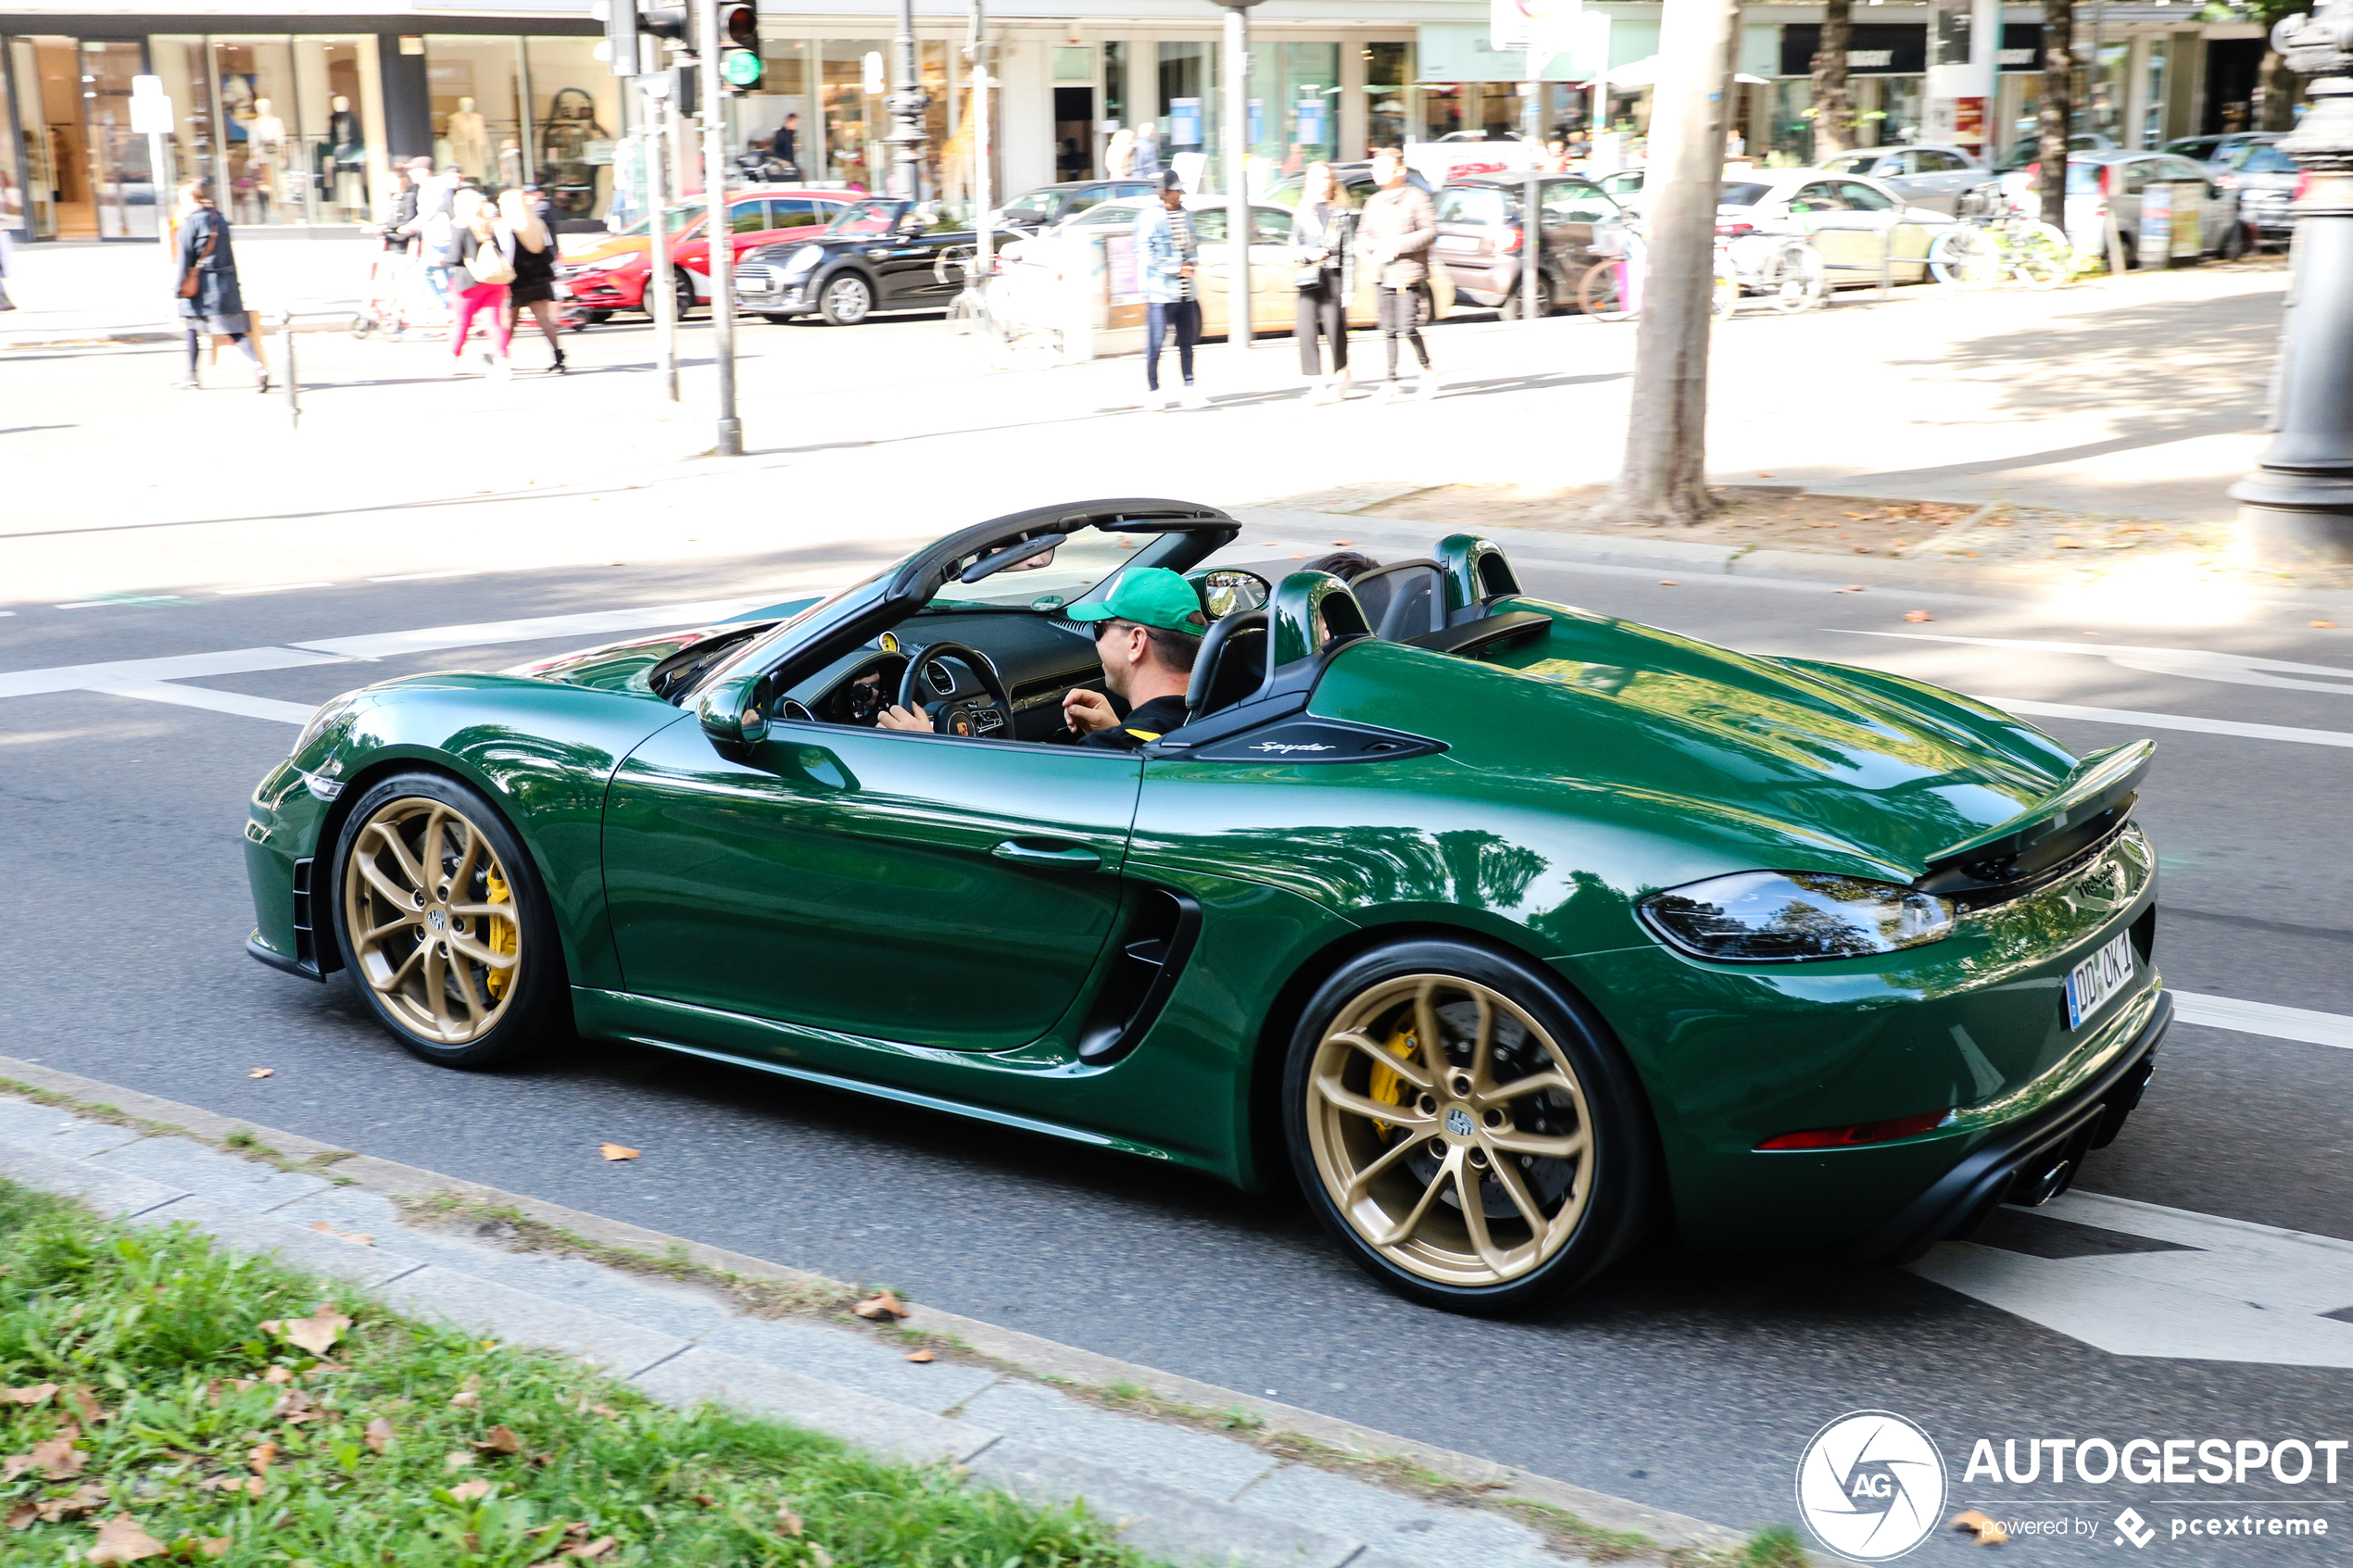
(2057, 118)
(2274, 96)
(1665, 476)
(1833, 109)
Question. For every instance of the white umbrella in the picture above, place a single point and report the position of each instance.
(1644, 73)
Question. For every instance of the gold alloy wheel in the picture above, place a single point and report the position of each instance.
(1450, 1130)
(431, 917)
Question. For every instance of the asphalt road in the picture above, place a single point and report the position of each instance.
(1689, 1381)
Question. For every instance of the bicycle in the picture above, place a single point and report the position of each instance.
(1611, 289)
(1785, 268)
(1985, 247)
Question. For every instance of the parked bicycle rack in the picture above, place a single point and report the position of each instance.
(1886, 265)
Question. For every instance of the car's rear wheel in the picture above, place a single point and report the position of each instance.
(1468, 1131)
(443, 924)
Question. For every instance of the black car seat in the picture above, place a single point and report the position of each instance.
(1231, 664)
(1403, 600)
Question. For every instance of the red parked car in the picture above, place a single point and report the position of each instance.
(613, 275)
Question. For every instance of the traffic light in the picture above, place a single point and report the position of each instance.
(625, 23)
(740, 65)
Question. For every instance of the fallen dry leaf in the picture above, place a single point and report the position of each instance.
(295, 1407)
(17, 1465)
(1343, 544)
(2324, 625)
(1987, 1531)
(279, 1374)
(316, 1334)
(465, 1398)
(85, 1499)
(602, 1410)
(87, 1403)
(1851, 588)
(58, 1459)
(380, 1435)
(256, 1484)
(1669, 582)
(362, 1237)
(820, 1556)
(260, 1456)
(881, 1305)
(787, 1522)
(21, 1516)
(502, 1439)
(586, 1549)
(458, 1459)
(1858, 515)
(212, 1546)
(121, 1540)
(39, 1393)
(2063, 542)
(466, 1491)
(263, 1072)
(618, 1151)
(921, 1356)
(1862, 549)
(1918, 615)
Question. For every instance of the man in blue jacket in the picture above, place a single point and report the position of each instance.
(1167, 259)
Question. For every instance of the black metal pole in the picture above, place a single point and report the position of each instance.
(2297, 509)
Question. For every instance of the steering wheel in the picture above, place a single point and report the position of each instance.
(962, 711)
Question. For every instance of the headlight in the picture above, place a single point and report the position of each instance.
(803, 259)
(329, 711)
(1789, 917)
(606, 265)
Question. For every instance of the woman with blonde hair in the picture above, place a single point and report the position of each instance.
(485, 260)
(210, 299)
(534, 259)
(1321, 230)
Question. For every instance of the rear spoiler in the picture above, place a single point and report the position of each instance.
(2090, 809)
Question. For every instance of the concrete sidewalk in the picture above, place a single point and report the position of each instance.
(1192, 1474)
(122, 291)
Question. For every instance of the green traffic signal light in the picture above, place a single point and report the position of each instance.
(742, 67)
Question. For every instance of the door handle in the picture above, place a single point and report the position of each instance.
(1075, 858)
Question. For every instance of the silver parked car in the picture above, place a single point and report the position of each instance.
(1923, 175)
(2265, 179)
(2102, 183)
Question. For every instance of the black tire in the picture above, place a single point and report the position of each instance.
(845, 300)
(1618, 1176)
(540, 1005)
(682, 287)
(2234, 245)
(599, 317)
(777, 317)
(1510, 309)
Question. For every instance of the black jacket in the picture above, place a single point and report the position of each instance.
(217, 292)
(1147, 722)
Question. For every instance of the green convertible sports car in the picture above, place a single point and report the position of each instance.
(1512, 928)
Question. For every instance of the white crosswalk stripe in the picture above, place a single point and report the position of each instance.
(2265, 1018)
(2169, 721)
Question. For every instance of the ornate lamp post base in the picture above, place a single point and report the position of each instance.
(2297, 509)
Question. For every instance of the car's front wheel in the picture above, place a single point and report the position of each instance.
(1465, 1128)
(443, 924)
(845, 300)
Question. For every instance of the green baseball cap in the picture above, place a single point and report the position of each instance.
(1149, 595)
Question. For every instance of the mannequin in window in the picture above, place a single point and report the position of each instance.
(265, 154)
(347, 145)
(469, 140)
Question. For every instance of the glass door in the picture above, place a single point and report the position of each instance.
(123, 185)
(56, 151)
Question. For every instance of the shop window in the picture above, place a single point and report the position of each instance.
(340, 144)
(56, 164)
(1294, 106)
(856, 76)
(180, 61)
(575, 124)
(1389, 75)
(475, 96)
(783, 93)
(1188, 110)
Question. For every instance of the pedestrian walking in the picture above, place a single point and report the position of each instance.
(1170, 258)
(1321, 251)
(1147, 150)
(1119, 155)
(785, 144)
(486, 257)
(435, 224)
(1394, 235)
(534, 255)
(210, 302)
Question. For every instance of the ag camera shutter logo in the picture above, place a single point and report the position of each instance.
(1871, 1486)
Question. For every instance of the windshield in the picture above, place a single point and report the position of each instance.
(2261, 158)
(1747, 195)
(1054, 579)
(679, 217)
(864, 218)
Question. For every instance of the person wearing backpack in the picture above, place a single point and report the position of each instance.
(485, 265)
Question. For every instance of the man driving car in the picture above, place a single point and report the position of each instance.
(1148, 631)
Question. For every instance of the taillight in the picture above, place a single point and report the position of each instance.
(2107, 178)
(1859, 1134)
(2303, 183)
(1735, 230)
(2226, 181)
(2035, 172)
(1511, 241)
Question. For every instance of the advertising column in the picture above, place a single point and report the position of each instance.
(1964, 42)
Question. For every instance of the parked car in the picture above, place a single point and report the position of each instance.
(2265, 179)
(1924, 176)
(1510, 932)
(2102, 183)
(1048, 204)
(1274, 295)
(2214, 149)
(611, 275)
(1481, 236)
(1355, 183)
(1852, 219)
(2029, 147)
(878, 254)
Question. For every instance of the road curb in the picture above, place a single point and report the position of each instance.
(110, 336)
(659, 1359)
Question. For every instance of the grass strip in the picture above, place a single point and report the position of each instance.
(164, 1400)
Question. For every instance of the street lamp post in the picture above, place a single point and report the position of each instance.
(2297, 508)
(1240, 332)
(907, 102)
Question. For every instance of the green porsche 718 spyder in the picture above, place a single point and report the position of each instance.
(1513, 928)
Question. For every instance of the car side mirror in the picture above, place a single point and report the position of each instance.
(1230, 588)
(734, 715)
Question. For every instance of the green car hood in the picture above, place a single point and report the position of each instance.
(1756, 754)
(627, 667)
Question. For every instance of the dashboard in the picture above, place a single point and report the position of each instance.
(1037, 659)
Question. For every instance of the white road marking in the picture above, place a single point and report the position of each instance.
(216, 701)
(2242, 1293)
(424, 576)
(2169, 721)
(271, 588)
(147, 678)
(2266, 1018)
(2197, 664)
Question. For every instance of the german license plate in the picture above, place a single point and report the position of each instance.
(2092, 983)
(1458, 241)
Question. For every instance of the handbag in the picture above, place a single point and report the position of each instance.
(490, 264)
(193, 281)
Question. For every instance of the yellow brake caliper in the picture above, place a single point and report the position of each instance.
(1388, 1086)
(502, 934)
